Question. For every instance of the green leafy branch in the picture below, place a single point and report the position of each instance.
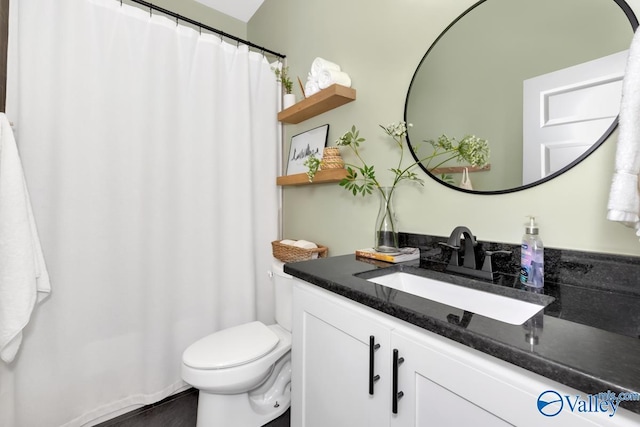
(361, 179)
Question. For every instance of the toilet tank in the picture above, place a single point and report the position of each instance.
(283, 294)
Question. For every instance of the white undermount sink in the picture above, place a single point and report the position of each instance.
(486, 304)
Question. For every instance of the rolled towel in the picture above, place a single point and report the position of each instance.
(311, 87)
(329, 77)
(320, 64)
(304, 244)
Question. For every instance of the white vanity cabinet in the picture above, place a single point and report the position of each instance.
(441, 382)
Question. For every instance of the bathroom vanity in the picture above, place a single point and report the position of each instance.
(365, 354)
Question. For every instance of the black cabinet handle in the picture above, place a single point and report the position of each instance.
(372, 376)
(396, 395)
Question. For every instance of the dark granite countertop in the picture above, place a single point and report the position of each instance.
(587, 338)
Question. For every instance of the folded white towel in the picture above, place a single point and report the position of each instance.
(328, 77)
(24, 280)
(624, 196)
(320, 64)
(311, 86)
(287, 242)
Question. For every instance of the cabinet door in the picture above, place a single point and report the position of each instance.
(427, 396)
(331, 363)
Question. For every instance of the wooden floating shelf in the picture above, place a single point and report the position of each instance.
(327, 175)
(318, 103)
(460, 169)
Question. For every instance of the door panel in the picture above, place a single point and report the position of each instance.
(565, 112)
(437, 406)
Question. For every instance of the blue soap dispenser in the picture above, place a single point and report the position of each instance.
(532, 258)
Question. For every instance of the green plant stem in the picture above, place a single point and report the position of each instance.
(398, 177)
(442, 162)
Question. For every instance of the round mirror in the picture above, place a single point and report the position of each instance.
(539, 80)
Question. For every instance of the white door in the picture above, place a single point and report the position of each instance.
(565, 112)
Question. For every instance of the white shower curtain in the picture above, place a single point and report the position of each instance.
(150, 152)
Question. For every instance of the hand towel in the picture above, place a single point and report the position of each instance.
(624, 197)
(24, 280)
(465, 182)
(320, 64)
(328, 77)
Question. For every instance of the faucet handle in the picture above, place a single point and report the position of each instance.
(455, 255)
(448, 245)
(487, 265)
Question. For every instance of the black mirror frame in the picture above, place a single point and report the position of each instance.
(633, 20)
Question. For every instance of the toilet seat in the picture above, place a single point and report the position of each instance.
(240, 378)
(231, 347)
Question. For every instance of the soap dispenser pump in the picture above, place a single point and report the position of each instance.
(532, 256)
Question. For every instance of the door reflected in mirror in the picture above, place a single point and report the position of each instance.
(472, 82)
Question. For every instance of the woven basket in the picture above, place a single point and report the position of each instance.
(331, 162)
(331, 159)
(289, 253)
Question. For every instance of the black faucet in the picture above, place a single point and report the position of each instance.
(467, 257)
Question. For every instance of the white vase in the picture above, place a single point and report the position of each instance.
(288, 100)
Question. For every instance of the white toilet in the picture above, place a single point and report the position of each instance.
(243, 373)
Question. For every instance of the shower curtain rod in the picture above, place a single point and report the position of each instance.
(206, 27)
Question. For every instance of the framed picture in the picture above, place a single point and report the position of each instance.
(304, 145)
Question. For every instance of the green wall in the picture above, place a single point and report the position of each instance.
(380, 43)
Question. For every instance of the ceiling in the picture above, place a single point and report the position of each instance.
(242, 10)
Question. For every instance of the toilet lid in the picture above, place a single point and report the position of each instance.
(231, 347)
